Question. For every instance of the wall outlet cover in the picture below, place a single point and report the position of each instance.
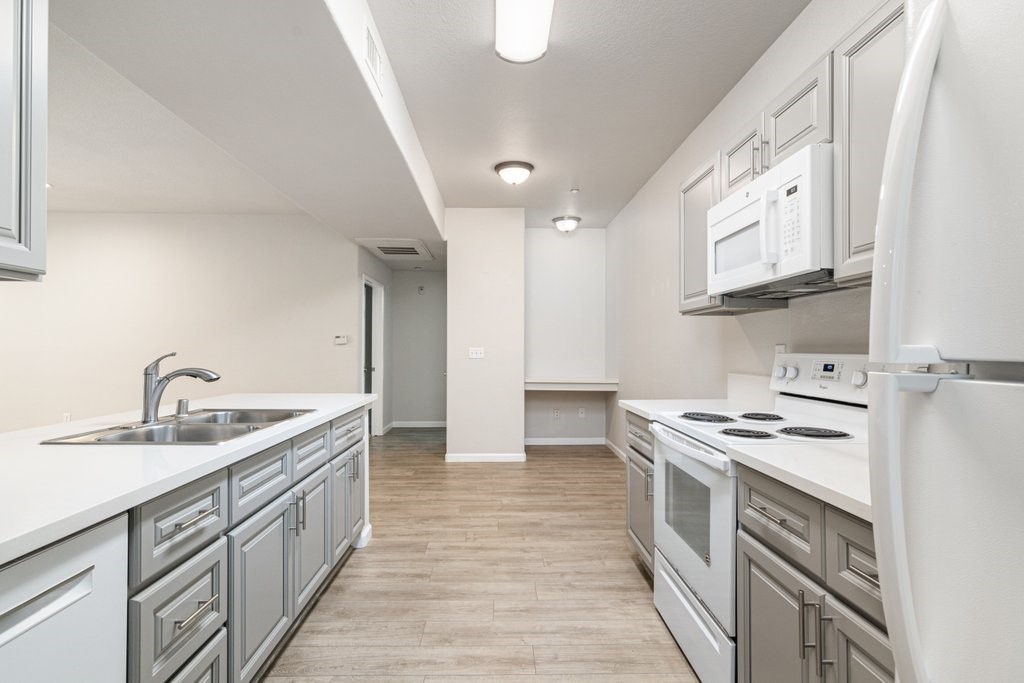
(581, 413)
(476, 352)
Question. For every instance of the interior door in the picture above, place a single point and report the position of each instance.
(949, 464)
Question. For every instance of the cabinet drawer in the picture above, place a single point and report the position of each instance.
(851, 569)
(781, 517)
(169, 621)
(346, 431)
(256, 481)
(209, 665)
(310, 451)
(172, 527)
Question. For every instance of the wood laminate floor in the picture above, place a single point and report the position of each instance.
(510, 572)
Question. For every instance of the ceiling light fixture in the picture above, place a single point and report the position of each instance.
(566, 223)
(521, 29)
(514, 172)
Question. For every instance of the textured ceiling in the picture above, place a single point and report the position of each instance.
(622, 85)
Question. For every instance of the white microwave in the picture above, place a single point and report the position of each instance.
(773, 237)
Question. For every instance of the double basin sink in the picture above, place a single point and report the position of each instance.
(200, 427)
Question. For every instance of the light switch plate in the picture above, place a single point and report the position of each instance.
(476, 352)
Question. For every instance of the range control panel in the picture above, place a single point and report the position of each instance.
(839, 377)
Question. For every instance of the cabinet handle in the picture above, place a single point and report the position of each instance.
(194, 617)
(183, 526)
(302, 510)
(802, 627)
(753, 166)
(820, 664)
(761, 155)
(781, 521)
(295, 518)
(649, 485)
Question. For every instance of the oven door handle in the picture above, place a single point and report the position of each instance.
(669, 438)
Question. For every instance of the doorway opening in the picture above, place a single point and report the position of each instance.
(372, 343)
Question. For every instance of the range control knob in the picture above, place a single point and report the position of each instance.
(859, 379)
(792, 371)
(780, 371)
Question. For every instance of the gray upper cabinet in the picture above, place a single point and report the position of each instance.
(859, 652)
(313, 551)
(741, 157)
(24, 24)
(260, 595)
(801, 115)
(868, 64)
(776, 635)
(698, 194)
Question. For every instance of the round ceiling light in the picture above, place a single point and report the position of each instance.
(566, 223)
(514, 172)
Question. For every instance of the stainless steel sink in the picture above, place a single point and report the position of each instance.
(179, 433)
(201, 427)
(242, 417)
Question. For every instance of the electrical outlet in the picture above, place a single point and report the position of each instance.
(780, 348)
(476, 352)
(67, 416)
(556, 414)
(581, 413)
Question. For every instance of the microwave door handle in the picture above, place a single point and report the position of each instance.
(769, 252)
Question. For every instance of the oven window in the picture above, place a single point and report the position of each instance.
(688, 509)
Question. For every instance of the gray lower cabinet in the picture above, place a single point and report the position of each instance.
(859, 652)
(341, 532)
(312, 544)
(774, 624)
(209, 665)
(170, 620)
(259, 479)
(357, 493)
(640, 506)
(868, 65)
(260, 598)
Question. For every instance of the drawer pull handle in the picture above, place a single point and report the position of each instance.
(781, 521)
(194, 617)
(870, 577)
(183, 526)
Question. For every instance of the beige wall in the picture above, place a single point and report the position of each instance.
(485, 309)
(656, 352)
(256, 298)
(419, 348)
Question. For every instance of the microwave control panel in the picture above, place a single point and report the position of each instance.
(791, 220)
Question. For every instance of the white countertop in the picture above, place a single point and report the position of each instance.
(52, 491)
(648, 408)
(836, 473)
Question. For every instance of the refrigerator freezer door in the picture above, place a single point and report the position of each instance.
(947, 273)
(946, 476)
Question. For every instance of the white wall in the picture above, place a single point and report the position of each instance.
(419, 330)
(256, 298)
(657, 353)
(485, 309)
(543, 428)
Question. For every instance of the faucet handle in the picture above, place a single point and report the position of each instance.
(154, 367)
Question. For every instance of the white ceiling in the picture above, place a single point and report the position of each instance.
(622, 85)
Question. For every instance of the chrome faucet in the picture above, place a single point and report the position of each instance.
(154, 384)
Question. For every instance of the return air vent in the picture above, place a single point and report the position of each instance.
(374, 60)
(392, 249)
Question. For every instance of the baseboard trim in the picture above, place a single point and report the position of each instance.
(387, 429)
(363, 539)
(419, 423)
(565, 441)
(485, 457)
(619, 453)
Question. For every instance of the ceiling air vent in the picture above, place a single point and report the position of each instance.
(390, 249)
(374, 60)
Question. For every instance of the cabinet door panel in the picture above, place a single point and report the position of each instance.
(769, 647)
(802, 114)
(698, 194)
(860, 652)
(357, 491)
(313, 557)
(261, 585)
(640, 505)
(868, 67)
(741, 159)
(10, 119)
(341, 537)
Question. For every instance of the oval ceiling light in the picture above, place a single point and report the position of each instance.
(521, 29)
(514, 172)
(566, 223)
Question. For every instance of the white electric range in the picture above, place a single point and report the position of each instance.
(821, 398)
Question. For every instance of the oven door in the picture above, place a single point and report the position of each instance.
(695, 519)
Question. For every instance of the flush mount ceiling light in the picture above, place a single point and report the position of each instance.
(521, 29)
(514, 172)
(566, 223)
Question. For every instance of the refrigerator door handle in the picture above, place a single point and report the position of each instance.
(888, 276)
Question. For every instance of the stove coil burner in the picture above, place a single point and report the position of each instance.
(747, 433)
(762, 417)
(814, 433)
(706, 417)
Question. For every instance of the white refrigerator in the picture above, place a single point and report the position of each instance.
(947, 442)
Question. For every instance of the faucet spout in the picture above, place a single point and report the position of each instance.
(154, 385)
